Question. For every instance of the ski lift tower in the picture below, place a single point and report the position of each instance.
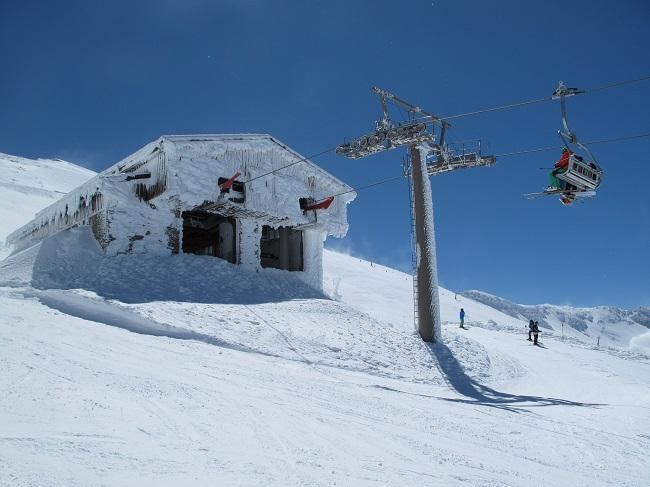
(427, 155)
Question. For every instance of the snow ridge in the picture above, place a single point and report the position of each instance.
(614, 326)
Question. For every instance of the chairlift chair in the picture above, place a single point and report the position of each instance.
(583, 173)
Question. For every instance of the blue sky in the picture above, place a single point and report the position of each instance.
(92, 81)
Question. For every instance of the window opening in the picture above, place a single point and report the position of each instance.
(206, 233)
(281, 248)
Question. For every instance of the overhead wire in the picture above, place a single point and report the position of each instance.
(478, 112)
(618, 139)
(376, 183)
(495, 109)
(313, 156)
(539, 100)
(527, 151)
(557, 147)
(505, 154)
(616, 84)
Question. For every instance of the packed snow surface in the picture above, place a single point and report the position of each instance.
(187, 370)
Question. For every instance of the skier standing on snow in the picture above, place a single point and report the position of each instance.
(531, 324)
(535, 332)
(462, 318)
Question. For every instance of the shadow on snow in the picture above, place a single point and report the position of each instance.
(110, 314)
(476, 393)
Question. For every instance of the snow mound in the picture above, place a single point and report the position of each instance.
(73, 260)
(209, 300)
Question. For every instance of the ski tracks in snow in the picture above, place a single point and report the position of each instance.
(320, 333)
(172, 409)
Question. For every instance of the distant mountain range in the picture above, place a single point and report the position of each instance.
(617, 324)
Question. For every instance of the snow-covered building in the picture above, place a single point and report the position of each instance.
(166, 198)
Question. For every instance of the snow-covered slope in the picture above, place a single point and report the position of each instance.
(27, 186)
(187, 370)
(194, 381)
(387, 294)
(613, 326)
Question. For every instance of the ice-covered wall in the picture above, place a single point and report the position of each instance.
(82, 206)
(135, 206)
(197, 162)
(313, 257)
(93, 203)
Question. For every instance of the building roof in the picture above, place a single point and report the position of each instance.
(109, 180)
(247, 138)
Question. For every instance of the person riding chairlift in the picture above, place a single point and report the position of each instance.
(560, 167)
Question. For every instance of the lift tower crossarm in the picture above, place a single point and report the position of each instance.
(388, 135)
(385, 95)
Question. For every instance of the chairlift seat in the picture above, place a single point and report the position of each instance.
(583, 174)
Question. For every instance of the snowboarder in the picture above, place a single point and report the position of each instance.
(531, 324)
(560, 166)
(462, 318)
(535, 332)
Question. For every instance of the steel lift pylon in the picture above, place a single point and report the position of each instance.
(428, 155)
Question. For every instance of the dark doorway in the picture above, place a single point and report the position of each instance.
(281, 248)
(207, 233)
